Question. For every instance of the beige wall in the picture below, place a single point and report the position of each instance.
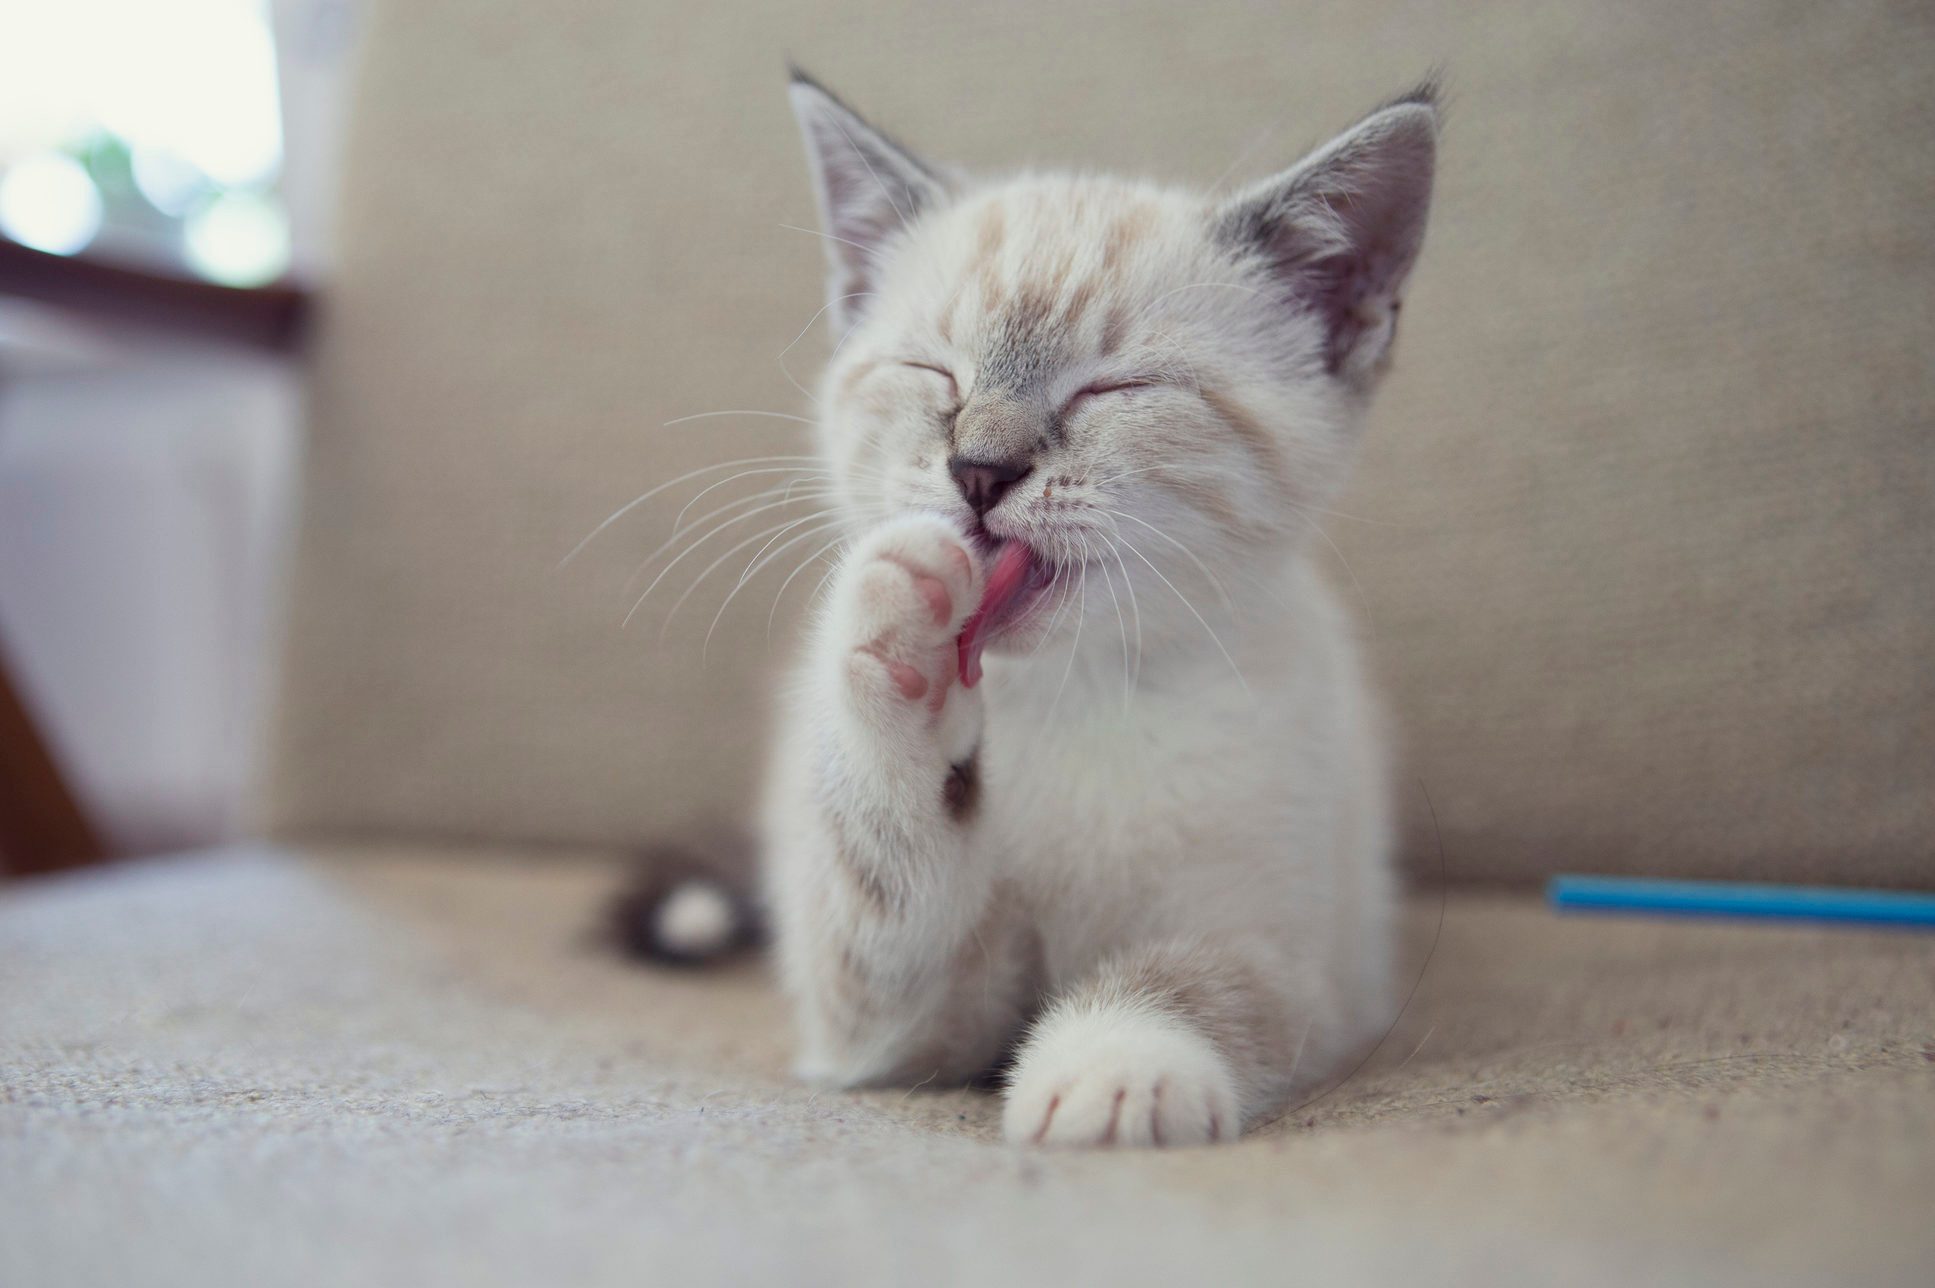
(1652, 485)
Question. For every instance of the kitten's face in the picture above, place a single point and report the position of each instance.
(1145, 386)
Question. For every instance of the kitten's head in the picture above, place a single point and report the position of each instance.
(1124, 377)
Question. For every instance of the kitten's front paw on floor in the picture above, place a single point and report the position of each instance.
(910, 586)
(1119, 1077)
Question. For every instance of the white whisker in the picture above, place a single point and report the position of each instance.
(1081, 614)
(1363, 601)
(714, 513)
(1339, 514)
(1135, 608)
(1217, 640)
(637, 501)
(1122, 627)
(773, 612)
(1103, 482)
(753, 569)
(868, 251)
(1074, 647)
(781, 359)
(1049, 630)
(1257, 140)
(708, 570)
(878, 181)
(820, 585)
(1195, 377)
(708, 415)
(680, 558)
(678, 523)
(1214, 580)
(1297, 1059)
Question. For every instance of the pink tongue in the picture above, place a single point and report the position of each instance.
(1005, 582)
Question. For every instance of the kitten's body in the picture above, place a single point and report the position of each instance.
(1246, 824)
(1154, 837)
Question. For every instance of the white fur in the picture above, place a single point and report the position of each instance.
(696, 920)
(1124, 1075)
(1182, 769)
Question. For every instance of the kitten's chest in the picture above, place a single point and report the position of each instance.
(1114, 828)
(1112, 786)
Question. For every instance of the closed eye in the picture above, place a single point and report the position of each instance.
(1102, 387)
(953, 389)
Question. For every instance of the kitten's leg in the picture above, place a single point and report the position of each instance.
(1168, 1044)
(903, 959)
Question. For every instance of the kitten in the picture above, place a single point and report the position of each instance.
(1143, 860)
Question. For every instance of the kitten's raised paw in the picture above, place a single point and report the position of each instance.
(909, 587)
(1118, 1076)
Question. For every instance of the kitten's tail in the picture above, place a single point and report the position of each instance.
(688, 903)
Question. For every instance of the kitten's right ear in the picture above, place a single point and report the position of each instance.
(869, 189)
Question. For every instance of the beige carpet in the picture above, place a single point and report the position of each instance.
(257, 1068)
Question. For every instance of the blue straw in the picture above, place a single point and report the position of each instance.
(1742, 899)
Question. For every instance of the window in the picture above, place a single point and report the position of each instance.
(146, 131)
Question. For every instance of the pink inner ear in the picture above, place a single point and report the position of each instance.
(1005, 582)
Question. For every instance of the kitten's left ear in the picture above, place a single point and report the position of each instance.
(1341, 229)
(869, 187)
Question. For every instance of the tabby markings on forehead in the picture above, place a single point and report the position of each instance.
(994, 226)
(1133, 225)
(1079, 298)
(1027, 323)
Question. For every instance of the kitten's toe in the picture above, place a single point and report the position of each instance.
(913, 582)
(917, 572)
(1119, 1077)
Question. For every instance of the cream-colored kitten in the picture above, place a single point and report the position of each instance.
(1143, 859)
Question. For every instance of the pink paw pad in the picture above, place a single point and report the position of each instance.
(911, 683)
(908, 680)
(931, 589)
(938, 601)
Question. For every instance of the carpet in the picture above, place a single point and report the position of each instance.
(401, 1065)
